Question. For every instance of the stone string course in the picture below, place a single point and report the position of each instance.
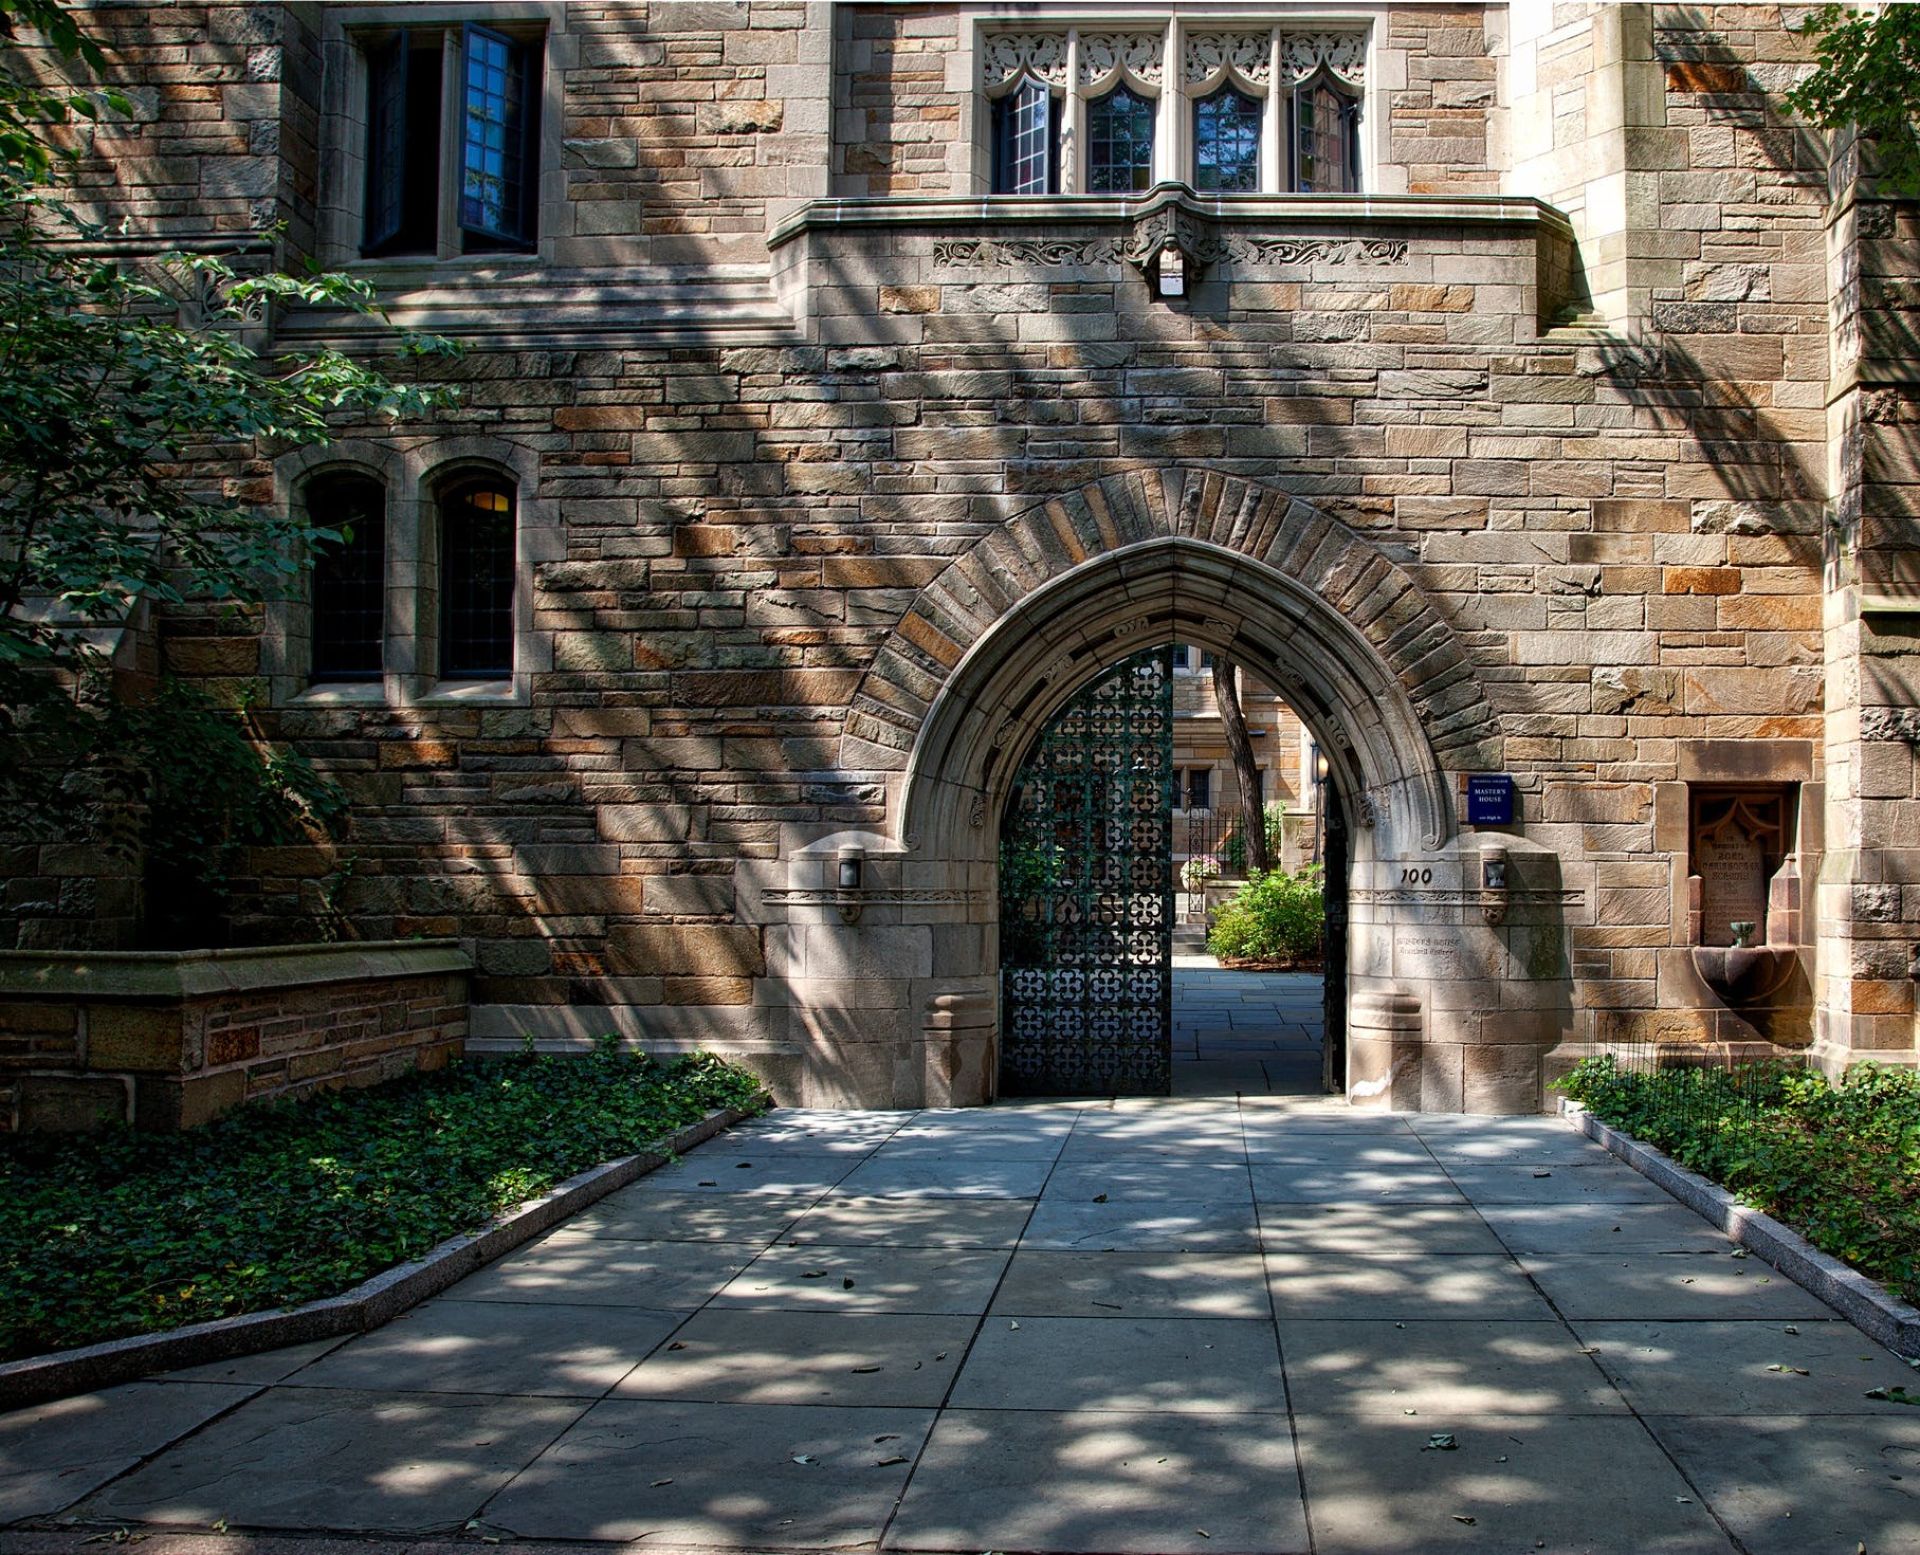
(1588, 550)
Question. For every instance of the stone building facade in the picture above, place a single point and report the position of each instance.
(1578, 446)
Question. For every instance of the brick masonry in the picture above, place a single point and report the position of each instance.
(1599, 488)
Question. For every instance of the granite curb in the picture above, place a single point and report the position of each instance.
(1866, 1305)
(367, 1305)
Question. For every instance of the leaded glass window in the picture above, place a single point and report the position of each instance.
(1025, 144)
(1226, 143)
(349, 578)
(476, 580)
(495, 200)
(1119, 142)
(1325, 139)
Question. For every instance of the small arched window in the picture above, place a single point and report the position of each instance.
(349, 577)
(476, 579)
(1119, 143)
(1326, 138)
(1026, 141)
(1226, 143)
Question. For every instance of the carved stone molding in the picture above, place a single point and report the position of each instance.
(1248, 55)
(1342, 53)
(1010, 54)
(1196, 239)
(1141, 55)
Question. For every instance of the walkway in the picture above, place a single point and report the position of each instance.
(1143, 1327)
(1245, 1033)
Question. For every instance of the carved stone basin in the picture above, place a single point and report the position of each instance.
(1745, 977)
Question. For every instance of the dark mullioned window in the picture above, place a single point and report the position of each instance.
(496, 197)
(1325, 139)
(1226, 143)
(1026, 157)
(349, 578)
(476, 580)
(1119, 143)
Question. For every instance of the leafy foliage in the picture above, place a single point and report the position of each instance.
(124, 384)
(128, 1233)
(1839, 1163)
(1868, 75)
(1278, 916)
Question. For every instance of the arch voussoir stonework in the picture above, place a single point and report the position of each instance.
(1261, 523)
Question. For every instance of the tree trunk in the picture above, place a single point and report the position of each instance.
(1253, 820)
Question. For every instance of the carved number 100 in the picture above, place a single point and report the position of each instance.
(1416, 877)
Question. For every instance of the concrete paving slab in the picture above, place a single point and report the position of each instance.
(1159, 1365)
(1602, 1228)
(1133, 1181)
(976, 1148)
(317, 1458)
(1129, 1484)
(1404, 1231)
(462, 1346)
(1750, 1368)
(774, 1172)
(1593, 1484)
(1166, 1226)
(1279, 1116)
(644, 1213)
(1515, 1149)
(946, 1179)
(1445, 1368)
(1668, 1285)
(940, 1281)
(849, 1358)
(1095, 1285)
(1791, 1484)
(852, 1222)
(266, 1367)
(758, 1476)
(53, 1454)
(1405, 1290)
(1608, 1182)
(571, 1269)
(1347, 1152)
(1297, 1183)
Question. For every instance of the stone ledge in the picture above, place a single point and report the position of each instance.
(195, 974)
(1280, 211)
(1881, 1317)
(366, 1306)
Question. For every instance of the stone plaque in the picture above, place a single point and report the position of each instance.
(1736, 848)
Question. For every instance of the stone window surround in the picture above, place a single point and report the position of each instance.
(412, 478)
(1385, 71)
(344, 126)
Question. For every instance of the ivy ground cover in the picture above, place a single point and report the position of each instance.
(1840, 1163)
(106, 1235)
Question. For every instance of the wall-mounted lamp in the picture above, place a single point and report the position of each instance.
(849, 878)
(1170, 272)
(1493, 885)
(1322, 768)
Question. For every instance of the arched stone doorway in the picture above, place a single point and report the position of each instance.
(1456, 966)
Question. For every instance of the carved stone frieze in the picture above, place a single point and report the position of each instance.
(1010, 54)
(1248, 54)
(1304, 53)
(1141, 55)
(1207, 247)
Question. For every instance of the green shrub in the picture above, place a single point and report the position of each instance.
(1839, 1163)
(127, 1233)
(1274, 917)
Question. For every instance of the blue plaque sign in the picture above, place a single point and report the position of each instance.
(1490, 799)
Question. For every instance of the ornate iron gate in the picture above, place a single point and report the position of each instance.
(1086, 895)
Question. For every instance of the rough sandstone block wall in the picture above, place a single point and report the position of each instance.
(1622, 530)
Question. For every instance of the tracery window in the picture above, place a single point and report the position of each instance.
(1229, 112)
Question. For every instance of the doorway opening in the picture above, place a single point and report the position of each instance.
(1124, 833)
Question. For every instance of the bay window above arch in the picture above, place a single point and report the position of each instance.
(1235, 110)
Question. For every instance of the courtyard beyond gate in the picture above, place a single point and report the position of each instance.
(1267, 1326)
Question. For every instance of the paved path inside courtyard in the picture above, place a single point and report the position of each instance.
(1245, 1033)
(1136, 1327)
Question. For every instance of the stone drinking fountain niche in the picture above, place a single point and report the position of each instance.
(1744, 914)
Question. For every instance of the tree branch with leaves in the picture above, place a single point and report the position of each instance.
(1867, 74)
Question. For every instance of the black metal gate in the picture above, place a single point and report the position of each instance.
(1086, 895)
